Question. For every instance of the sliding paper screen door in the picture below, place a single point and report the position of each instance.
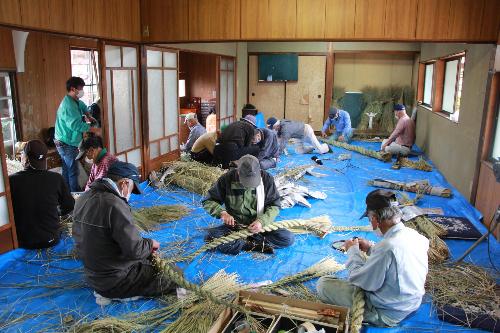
(226, 91)
(123, 116)
(162, 105)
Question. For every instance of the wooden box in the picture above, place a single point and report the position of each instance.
(285, 309)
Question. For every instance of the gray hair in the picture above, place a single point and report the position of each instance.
(390, 214)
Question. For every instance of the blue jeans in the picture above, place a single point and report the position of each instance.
(70, 169)
(277, 239)
(347, 137)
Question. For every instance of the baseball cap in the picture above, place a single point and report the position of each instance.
(189, 116)
(36, 152)
(333, 112)
(126, 170)
(399, 107)
(248, 168)
(271, 121)
(250, 119)
(379, 199)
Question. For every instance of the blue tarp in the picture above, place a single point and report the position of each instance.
(345, 185)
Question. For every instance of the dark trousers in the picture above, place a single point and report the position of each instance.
(142, 280)
(203, 156)
(228, 152)
(277, 239)
(69, 166)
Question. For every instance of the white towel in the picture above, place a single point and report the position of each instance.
(261, 196)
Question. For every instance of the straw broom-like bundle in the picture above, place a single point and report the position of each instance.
(241, 234)
(149, 218)
(421, 164)
(294, 173)
(382, 156)
(387, 120)
(465, 286)
(322, 225)
(438, 250)
(323, 267)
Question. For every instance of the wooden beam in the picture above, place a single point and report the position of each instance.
(330, 62)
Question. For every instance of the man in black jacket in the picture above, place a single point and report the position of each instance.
(236, 141)
(36, 195)
(117, 260)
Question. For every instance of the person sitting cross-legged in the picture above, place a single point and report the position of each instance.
(246, 197)
(393, 274)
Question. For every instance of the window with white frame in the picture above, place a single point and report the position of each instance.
(7, 113)
(85, 64)
(428, 84)
(452, 88)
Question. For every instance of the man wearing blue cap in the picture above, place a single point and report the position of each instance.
(403, 137)
(116, 259)
(342, 121)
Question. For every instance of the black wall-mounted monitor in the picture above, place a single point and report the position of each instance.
(278, 67)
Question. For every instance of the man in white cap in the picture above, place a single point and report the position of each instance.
(246, 198)
(195, 131)
(392, 276)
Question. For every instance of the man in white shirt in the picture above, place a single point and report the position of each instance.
(392, 276)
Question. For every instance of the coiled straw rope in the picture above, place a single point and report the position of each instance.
(241, 234)
(358, 310)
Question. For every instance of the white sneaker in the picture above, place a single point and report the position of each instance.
(103, 301)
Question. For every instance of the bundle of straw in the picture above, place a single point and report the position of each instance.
(465, 286)
(421, 164)
(149, 218)
(107, 325)
(191, 175)
(438, 250)
(382, 156)
(373, 107)
(323, 267)
(387, 122)
(241, 234)
(322, 225)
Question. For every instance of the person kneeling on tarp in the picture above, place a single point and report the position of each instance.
(342, 122)
(288, 129)
(393, 276)
(116, 259)
(246, 197)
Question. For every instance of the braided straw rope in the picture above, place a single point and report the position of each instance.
(382, 156)
(358, 310)
(240, 235)
(167, 270)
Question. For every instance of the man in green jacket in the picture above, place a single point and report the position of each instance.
(246, 197)
(71, 122)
